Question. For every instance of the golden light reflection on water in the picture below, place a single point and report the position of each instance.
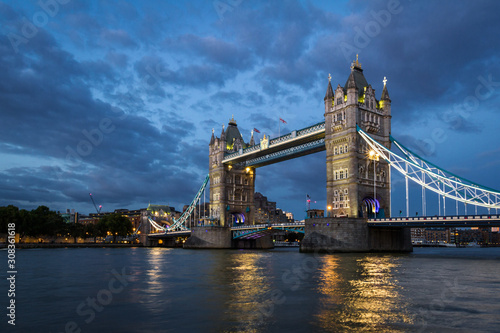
(154, 274)
(360, 293)
(248, 286)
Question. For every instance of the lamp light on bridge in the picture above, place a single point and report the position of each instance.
(329, 208)
(373, 155)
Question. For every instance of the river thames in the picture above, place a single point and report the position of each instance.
(280, 290)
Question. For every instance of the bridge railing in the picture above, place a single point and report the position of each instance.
(282, 138)
(311, 129)
(263, 226)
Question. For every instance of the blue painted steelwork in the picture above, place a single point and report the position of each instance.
(288, 153)
(180, 223)
(314, 130)
(438, 180)
(245, 231)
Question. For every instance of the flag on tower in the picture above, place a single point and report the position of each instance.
(282, 120)
(256, 130)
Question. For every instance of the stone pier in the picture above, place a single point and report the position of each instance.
(353, 235)
(221, 238)
(209, 238)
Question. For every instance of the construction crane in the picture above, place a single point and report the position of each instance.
(100, 206)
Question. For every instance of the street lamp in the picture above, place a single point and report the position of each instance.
(374, 156)
(329, 208)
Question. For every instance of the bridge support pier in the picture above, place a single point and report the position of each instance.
(221, 238)
(209, 238)
(265, 242)
(353, 235)
(144, 239)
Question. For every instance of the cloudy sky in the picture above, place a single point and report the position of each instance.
(119, 98)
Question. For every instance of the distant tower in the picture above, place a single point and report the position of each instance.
(232, 187)
(349, 165)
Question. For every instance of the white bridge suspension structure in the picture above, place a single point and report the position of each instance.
(432, 177)
(180, 223)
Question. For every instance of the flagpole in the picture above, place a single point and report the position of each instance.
(279, 128)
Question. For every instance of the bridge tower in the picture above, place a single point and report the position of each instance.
(349, 165)
(232, 187)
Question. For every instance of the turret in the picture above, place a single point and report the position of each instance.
(252, 141)
(329, 95)
(385, 101)
(385, 105)
(212, 140)
(355, 83)
(223, 138)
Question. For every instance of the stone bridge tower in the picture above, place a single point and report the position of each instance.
(349, 165)
(232, 187)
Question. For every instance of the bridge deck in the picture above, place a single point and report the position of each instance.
(253, 231)
(438, 221)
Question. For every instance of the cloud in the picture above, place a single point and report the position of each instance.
(155, 71)
(424, 148)
(155, 77)
(212, 50)
(248, 99)
(109, 149)
(119, 38)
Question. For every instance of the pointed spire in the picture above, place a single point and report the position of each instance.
(223, 134)
(212, 140)
(385, 93)
(329, 89)
(252, 141)
(351, 82)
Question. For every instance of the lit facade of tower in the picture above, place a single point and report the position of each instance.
(350, 167)
(232, 187)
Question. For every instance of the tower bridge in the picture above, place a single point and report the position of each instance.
(357, 186)
(356, 135)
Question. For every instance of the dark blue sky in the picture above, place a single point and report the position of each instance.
(142, 84)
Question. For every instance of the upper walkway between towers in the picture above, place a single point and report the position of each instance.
(296, 143)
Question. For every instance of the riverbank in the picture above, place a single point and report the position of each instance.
(67, 245)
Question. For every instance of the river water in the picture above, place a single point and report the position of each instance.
(280, 290)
